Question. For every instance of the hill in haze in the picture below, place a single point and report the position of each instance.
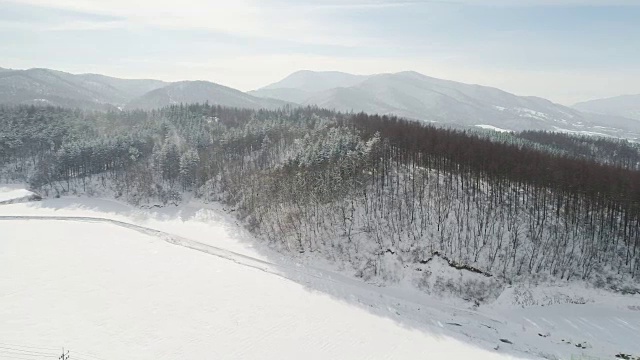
(99, 92)
(317, 81)
(187, 92)
(51, 87)
(417, 96)
(625, 105)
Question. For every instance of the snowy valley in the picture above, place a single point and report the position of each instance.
(107, 280)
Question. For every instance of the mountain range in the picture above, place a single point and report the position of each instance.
(417, 96)
(99, 92)
(87, 91)
(408, 94)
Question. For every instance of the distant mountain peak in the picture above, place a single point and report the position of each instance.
(308, 80)
(411, 73)
(306, 72)
(414, 95)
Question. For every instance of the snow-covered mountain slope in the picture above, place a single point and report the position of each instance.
(189, 92)
(413, 95)
(51, 87)
(626, 106)
(116, 285)
(131, 88)
(312, 81)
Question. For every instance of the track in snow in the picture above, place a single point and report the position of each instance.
(464, 324)
(238, 258)
(365, 295)
(180, 241)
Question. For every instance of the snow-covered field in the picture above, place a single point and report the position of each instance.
(109, 281)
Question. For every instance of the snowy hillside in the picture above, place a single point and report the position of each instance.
(379, 196)
(103, 280)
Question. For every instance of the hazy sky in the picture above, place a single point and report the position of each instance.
(565, 50)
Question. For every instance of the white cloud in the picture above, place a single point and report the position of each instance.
(526, 3)
(248, 18)
(241, 66)
(87, 25)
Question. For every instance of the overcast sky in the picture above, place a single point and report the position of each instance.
(564, 50)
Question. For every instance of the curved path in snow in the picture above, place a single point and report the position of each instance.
(287, 271)
(479, 328)
(365, 294)
(180, 241)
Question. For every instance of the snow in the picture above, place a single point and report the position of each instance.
(587, 321)
(13, 193)
(201, 222)
(441, 279)
(491, 127)
(103, 278)
(533, 114)
(115, 293)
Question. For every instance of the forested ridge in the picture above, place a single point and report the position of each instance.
(618, 152)
(376, 194)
